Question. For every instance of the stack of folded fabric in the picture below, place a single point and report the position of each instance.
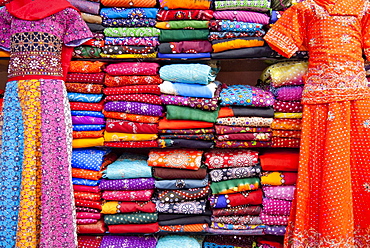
(278, 181)
(191, 99)
(236, 193)
(132, 105)
(182, 190)
(84, 85)
(128, 241)
(245, 117)
(285, 80)
(176, 241)
(128, 187)
(237, 29)
(89, 241)
(184, 29)
(86, 166)
(129, 29)
(229, 241)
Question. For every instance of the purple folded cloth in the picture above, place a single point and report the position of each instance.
(86, 6)
(128, 241)
(280, 220)
(288, 93)
(275, 230)
(135, 108)
(87, 120)
(242, 16)
(235, 232)
(276, 207)
(127, 184)
(279, 192)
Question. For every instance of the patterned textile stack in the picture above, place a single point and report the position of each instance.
(90, 14)
(278, 181)
(128, 187)
(285, 81)
(84, 85)
(237, 29)
(129, 28)
(245, 117)
(184, 29)
(190, 96)
(133, 105)
(176, 241)
(182, 190)
(86, 166)
(128, 241)
(236, 193)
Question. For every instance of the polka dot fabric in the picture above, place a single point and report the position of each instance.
(246, 95)
(89, 159)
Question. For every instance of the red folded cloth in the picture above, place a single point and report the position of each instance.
(98, 227)
(279, 159)
(134, 228)
(89, 241)
(83, 188)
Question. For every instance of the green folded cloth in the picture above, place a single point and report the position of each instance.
(185, 113)
(132, 218)
(183, 34)
(235, 185)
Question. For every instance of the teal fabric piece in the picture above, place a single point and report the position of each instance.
(188, 73)
(179, 241)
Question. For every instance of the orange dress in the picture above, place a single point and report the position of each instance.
(332, 203)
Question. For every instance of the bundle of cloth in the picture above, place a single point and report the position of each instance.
(177, 241)
(87, 164)
(190, 95)
(229, 241)
(285, 81)
(132, 105)
(278, 179)
(236, 192)
(245, 117)
(127, 189)
(147, 241)
(129, 28)
(182, 189)
(184, 29)
(84, 84)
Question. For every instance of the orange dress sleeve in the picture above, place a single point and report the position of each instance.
(288, 34)
(365, 23)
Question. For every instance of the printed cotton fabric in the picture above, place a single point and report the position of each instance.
(184, 159)
(219, 158)
(246, 95)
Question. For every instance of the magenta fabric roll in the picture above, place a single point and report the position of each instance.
(289, 93)
(276, 207)
(137, 108)
(127, 184)
(242, 16)
(87, 215)
(87, 120)
(279, 220)
(132, 68)
(279, 192)
(288, 106)
(86, 209)
(128, 195)
(86, 221)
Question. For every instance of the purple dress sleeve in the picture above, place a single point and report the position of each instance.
(76, 30)
(5, 29)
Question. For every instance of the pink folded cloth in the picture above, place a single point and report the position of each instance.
(276, 207)
(87, 215)
(274, 220)
(288, 93)
(242, 16)
(86, 221)
(132, 68)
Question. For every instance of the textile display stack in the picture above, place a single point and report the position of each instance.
(182, 189)
(237, 29)
(87, 164)
(190, 96)
(132, 105)
(245, 117)
(284, 80)
(90, 14)
(184, 29)
(129, 29)
(127, 189)
(278, 179)
(84, 85)
(236, 193)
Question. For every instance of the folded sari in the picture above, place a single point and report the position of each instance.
(83, 188)
(279, 159)
(218, 175)
(87, 113)
(185, 143)
(179, 159)
(288, 106)
(183, 55)
(127, 169)
(288, 93)
(114, 81)
(185, 113)
(176, 241)
(129, 3)
(127, 184)
(181, 183)
(201, 46)
(87, 196)
(253, 197)
(235, 185)
(131, 117)
(87, 209)
(90, 18)
(246, 95)
(89, 159)
(239, 111)
(275, 178)
(229, 241)
(86, 106)
(188, 73)
(186, 4)
(246, 121)
(85, 182)
(189, 89)
(84, 88)
(191, 228)
(170, 173)
(132, 41)
(274, 219)
(134, 228)
(279, 192)
(97, 228)
(82, 215)
(91, 78)
(95, 42)
(132, 68)
(236, 43)
(185, 124)
(189, 207)
(109, 136)
(86, 6)
(88, 204)
(128, 56)
(221, 129)
(245, 136)
(184, 14)
(81, 97)
(86, 221)
(248, 52)
(139, 22)
(86, 52)
(252, 5)
(87, 142)
(237, 211)
(135, 108)
(128, 13)
(131, 32)
(146, 98)
(111, 50)
(85, 66)
(130, 127)
(287, 115)
(259, 231)
(169, 196)
(275, 230)
(219, 158)
(114, 207)
(216, 225)
(135, 144)
(287, 133)
(194, 131)
(87, 134)
(173, 35)
(228, 35)
(87, 174)
(87, 120)
(182, 24)
(234, 26)
(207, 136)
(242, 16)
(131, 218)
(286, 142)
(89, 241)
(276, 207)
(237, 220)
(184, 219)
(87, 127)
(129, 241)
